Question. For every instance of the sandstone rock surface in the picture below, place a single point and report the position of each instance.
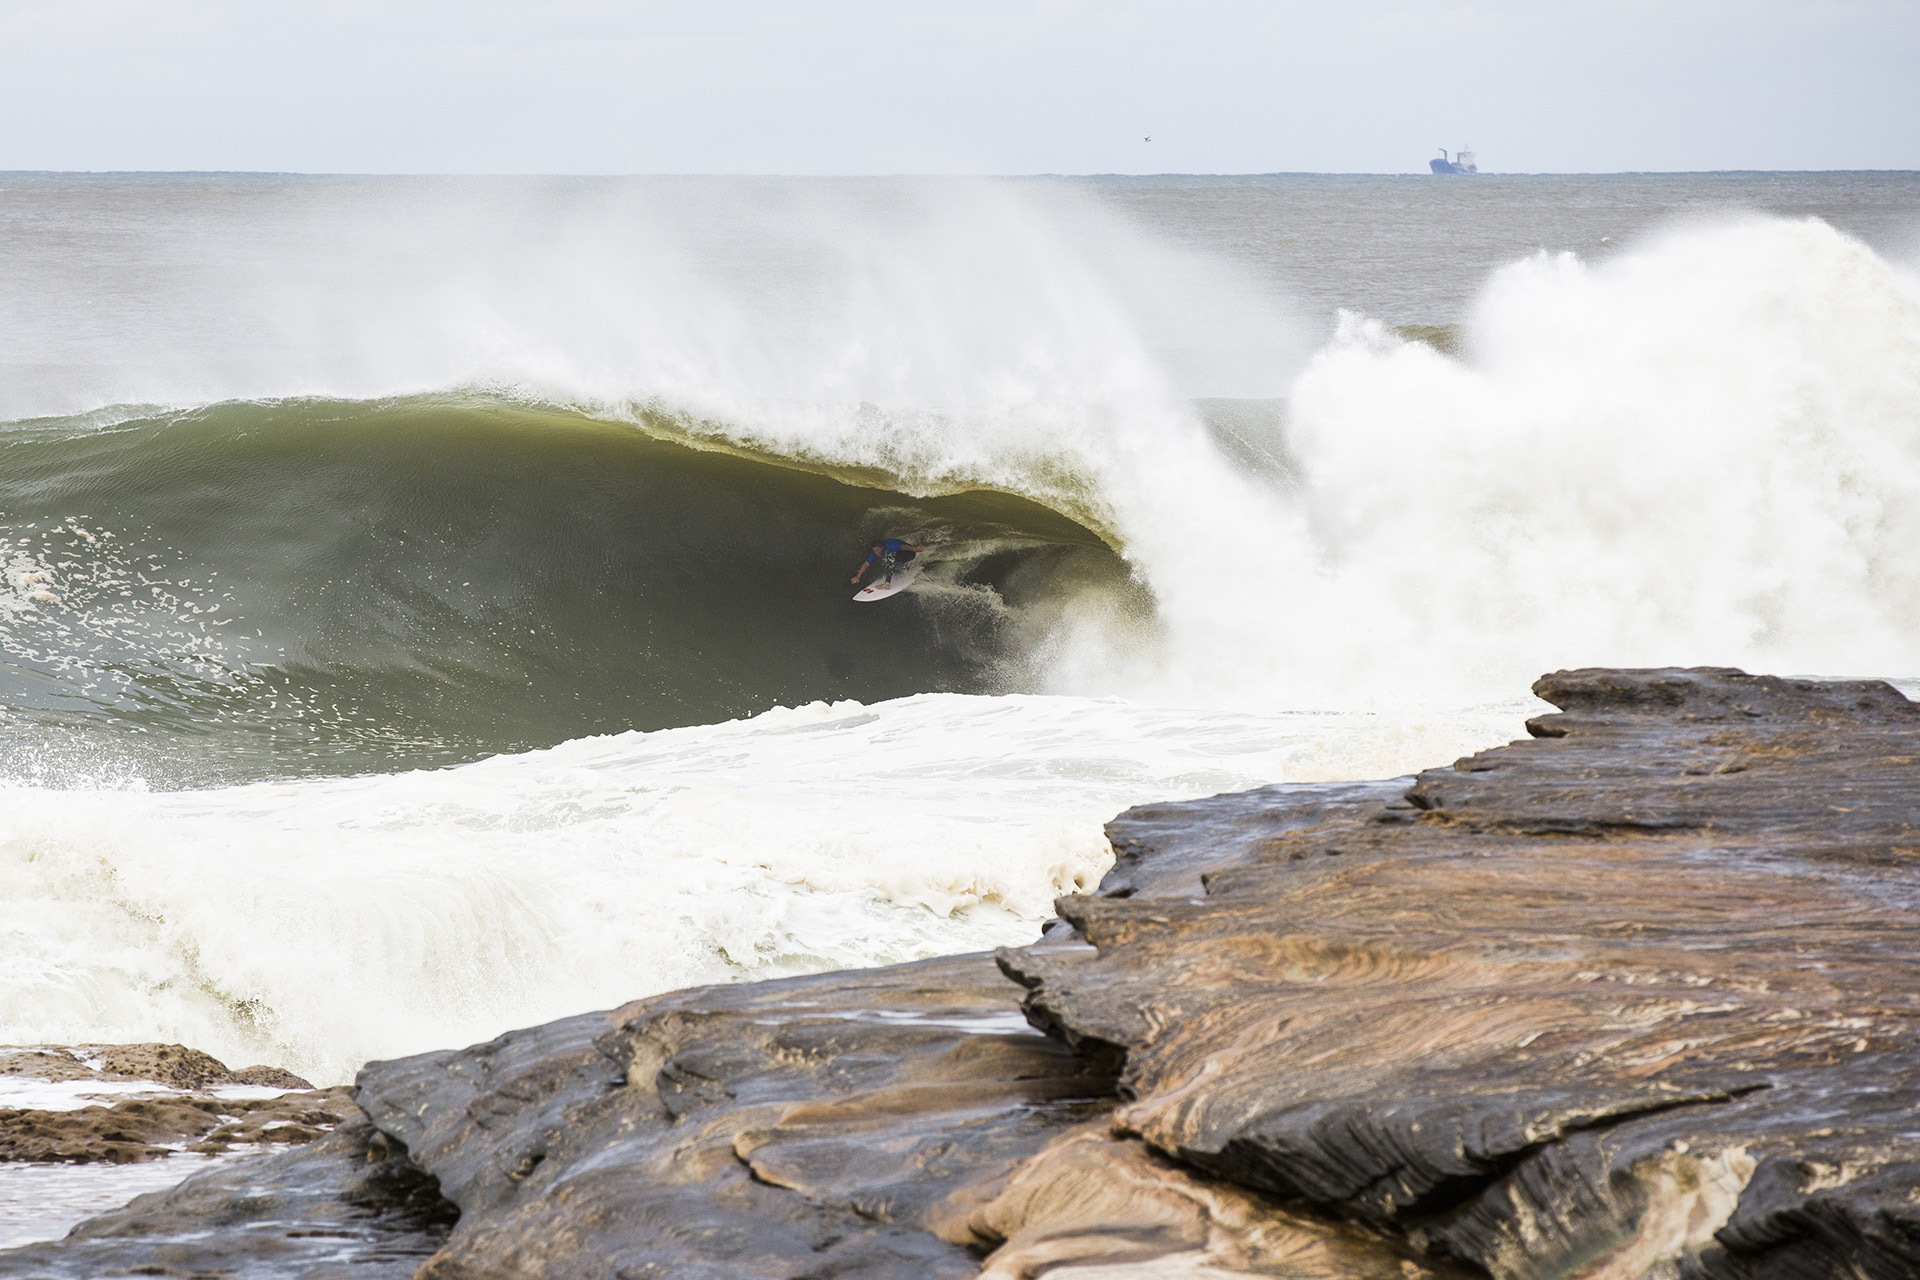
(892, 1122)
(153, 1100)
(174, 1066)
(1636, 997)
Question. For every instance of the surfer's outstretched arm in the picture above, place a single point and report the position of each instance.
(873, 553)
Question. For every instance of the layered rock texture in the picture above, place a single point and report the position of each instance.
(327, 1199)
(347, 1205)
(128, 1103)
(1633, 998)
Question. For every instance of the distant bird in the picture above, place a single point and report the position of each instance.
(1148, 138)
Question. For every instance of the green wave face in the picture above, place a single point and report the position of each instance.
(310, 587)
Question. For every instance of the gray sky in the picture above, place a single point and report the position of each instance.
(956, 86)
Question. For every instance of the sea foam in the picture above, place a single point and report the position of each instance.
(317, 924)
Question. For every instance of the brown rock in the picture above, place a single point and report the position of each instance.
(123, 1133)
(1096, 1198)
(54, 1065)
(168, 1064)
(730, 1131)
(173, 1065)
(1635, 998)
(176, 1114)
(152, 1128)
(269, 1078)
(897, 1122)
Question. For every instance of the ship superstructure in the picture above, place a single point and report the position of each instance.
(1462, 162)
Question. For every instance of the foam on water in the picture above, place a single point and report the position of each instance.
(71, 1095)
(319, 924)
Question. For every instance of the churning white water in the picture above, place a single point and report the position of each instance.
(1706, 450)
(318, 924)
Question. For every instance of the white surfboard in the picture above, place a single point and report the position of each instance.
(880, 588)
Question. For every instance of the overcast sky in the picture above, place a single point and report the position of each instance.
(956, 86)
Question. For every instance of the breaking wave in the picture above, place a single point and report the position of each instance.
(270, 589)
(467, 488)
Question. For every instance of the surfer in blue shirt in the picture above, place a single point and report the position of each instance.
(892, 553)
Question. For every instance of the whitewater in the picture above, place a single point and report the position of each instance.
(423, 602)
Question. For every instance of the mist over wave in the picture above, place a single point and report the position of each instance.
(1706, 450)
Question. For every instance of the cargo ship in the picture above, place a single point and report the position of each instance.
(1462, 162)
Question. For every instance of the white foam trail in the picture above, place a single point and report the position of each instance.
(314, 925)
(71, 1095)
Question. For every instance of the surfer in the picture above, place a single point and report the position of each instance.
(892, 553)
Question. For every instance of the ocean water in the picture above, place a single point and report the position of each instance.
(424, 603)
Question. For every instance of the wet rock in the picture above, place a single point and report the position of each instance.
(1162, 850)
(154, 1128)
(349, 1205)
(901, 1122)
(889, 1123)
(168, 1108)
(52, 1065)
(119, 1134)
(1098, 1199)
(168, 1064)
(269, 1078)
(1634, 998)
(172, 1065)
(733, 1131)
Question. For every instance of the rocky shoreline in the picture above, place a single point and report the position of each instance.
(1634, 997)
(124, 1104)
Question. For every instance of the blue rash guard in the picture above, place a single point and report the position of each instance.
(888, 547)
